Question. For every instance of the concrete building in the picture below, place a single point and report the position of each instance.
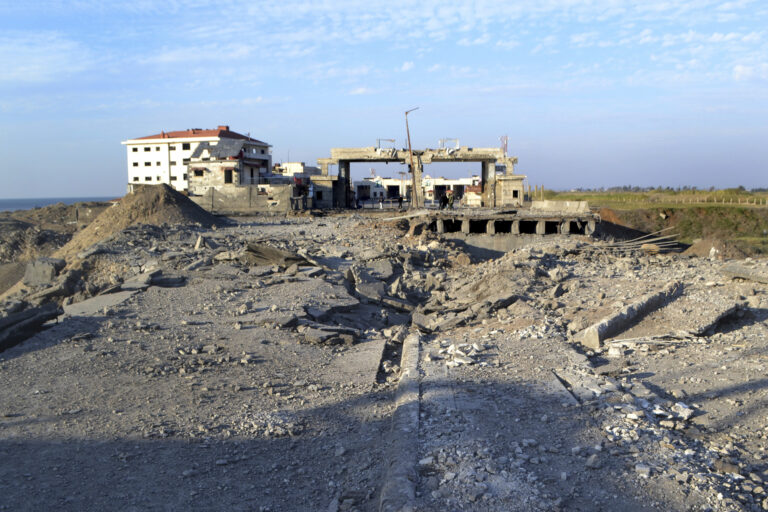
(435, 188)
(165, 157)
(295, 169)
(226, 164)
(377, 187)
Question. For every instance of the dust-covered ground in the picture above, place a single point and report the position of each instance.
(199, 368)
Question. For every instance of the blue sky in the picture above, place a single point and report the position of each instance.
(591, 93)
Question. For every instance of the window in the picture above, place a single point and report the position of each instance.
(172, 148)
(158, 164)
(135, 150)
(173, 178)
(185, 145)
(173, 162)
(157, 148)
(262, 151)
(319, 195)
(205, 159)
(147, 178)
(135, 164)
(147, 148)
(227, 175)
(185, 161)
(184, 177)
(147, 164)
(135, 178)
(198, 172)
(158, 178)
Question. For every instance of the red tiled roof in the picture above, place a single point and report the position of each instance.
(221, 131)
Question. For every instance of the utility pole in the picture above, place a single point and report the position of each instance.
(415, 185)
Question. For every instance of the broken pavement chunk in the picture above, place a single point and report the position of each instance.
(262, 254)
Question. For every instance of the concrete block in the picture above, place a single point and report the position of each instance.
(43, 271)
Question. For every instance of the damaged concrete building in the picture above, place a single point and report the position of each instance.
(228, 163)
(498, 189)
(165, 157)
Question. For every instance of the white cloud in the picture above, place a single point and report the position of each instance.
(584, 39)
(474, 41)
(407, 66)
(507, 44)
(360, 90)
(41, 57)
(743, 72)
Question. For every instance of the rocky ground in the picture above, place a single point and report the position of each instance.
(255, 365)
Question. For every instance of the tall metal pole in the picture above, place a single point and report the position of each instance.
(414, 194)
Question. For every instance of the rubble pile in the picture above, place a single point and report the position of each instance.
(258, 365)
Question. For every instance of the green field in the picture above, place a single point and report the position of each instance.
(735, 216)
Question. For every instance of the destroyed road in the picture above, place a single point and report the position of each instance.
(257, 366)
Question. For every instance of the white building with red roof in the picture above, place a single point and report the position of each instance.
(164, 158)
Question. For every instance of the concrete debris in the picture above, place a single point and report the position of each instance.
(43, 271)
(262, 254)
(17, 324)
(737, 271)
(383, 372)
(593, 336)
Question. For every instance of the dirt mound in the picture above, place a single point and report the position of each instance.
(148, 204)
(713, 247)
(608, 215)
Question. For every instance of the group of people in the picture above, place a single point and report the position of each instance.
(446, 201)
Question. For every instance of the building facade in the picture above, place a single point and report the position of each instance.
(165, 157)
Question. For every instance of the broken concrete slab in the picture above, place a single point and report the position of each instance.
(63, 287)
(697, 312)
(140, 281)
(359, 364)
(262, 254)
(19, 326)
(593, 336)
(736, 271)
(168, 281)
(382, 269)
(43, 271)
(96, 305)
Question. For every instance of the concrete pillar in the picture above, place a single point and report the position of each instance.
(490, 228)
(488, 182)
(465, 226)
(417, 194)
(440, 225)
(541, 227)
(591, 226)
(565, 227)
(515, 230)
(344, 184)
